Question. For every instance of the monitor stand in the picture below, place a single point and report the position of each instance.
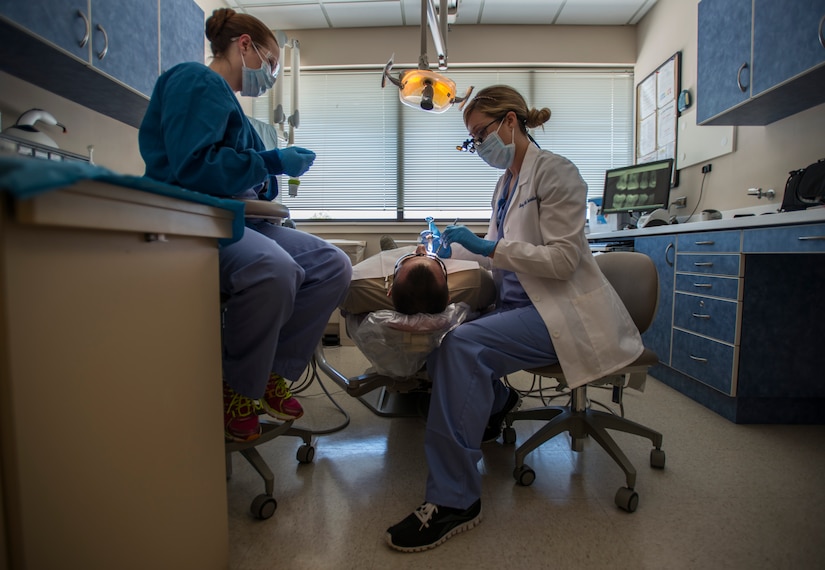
(620, 221)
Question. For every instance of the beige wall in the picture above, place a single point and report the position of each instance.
(763, 156)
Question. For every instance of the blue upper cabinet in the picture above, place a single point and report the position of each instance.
(66, 24)
(790, 42)
(759, 61)
(103, 54)
(181, 33)
(125, 41)
(724, 56)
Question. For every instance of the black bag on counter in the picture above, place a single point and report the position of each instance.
(805, 187)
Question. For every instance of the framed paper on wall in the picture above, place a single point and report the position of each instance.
(657, 115)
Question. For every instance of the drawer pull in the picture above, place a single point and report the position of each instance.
(703, 264)
(102, 53)
(703, 285)
(697, 358)
(743, 88)
(708, 242)
(85, 37)
(811, 238)
(700, 316)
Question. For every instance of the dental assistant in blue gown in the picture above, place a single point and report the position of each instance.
(554, 305)
(281, 284)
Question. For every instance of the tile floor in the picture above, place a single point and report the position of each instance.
(730, 496)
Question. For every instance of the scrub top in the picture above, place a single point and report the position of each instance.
(195, 135)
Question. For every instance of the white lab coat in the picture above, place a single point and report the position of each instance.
(545, 245)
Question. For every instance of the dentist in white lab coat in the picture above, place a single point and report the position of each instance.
(554, 305)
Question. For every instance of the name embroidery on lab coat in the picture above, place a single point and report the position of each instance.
(527, 201)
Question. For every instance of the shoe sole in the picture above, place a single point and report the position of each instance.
(278, 415)
(459, 529)
(236, 439)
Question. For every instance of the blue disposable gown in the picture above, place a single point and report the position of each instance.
(196, 135)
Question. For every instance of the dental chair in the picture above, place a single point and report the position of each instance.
(397, 345)
(634, 278)
(264, 505)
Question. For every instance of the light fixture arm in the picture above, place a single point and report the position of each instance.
(437, 23)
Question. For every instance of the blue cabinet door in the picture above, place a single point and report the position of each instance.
(786, 40)
(662, 250)
(181, 33)
(131, 41)
(723, 56)
(64, 24)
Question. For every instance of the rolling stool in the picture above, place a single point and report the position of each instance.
(263, 506)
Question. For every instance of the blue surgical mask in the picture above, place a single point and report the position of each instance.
(255, 82)
(494, 152)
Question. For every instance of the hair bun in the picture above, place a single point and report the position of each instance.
(216, 22)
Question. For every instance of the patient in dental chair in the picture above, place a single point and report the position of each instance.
(402, 302)
(409, 281)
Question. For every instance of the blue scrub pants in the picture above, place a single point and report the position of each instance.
(282, 285)
(466, 373)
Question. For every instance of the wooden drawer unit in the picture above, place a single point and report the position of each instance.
(715, 318)
(708, 361)
(808, 238)
(710, 285)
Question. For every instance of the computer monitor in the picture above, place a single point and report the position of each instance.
(639, 188)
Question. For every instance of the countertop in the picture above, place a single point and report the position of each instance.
(811, 215)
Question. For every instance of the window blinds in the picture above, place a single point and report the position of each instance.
(379, 159)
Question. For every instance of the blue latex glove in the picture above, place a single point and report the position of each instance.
(470, 241)
(292, 160)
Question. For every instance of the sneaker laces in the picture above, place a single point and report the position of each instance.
(240, 406)
(278, 389)
(424, 513)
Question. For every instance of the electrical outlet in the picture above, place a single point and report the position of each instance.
(706, 168)
(680, 202)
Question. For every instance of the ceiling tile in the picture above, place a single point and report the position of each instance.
(520, 12)
(291, 17)
(364, 14)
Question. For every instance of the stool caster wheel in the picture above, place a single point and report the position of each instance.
(657, 458)
(627, 499)
(524, 475)
(305, 454)
(263, 507)
(509, 435)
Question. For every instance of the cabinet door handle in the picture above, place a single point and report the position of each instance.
(821, 37)
(742, 68)
(703, 264)
(697, 358)
(700, 316)
(85, 37)
(105, 49)
(707, 242)
(811, 238)
(703, 285)
(667, 249)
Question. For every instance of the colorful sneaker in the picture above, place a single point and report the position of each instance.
(240, 419)
(493, 429)
(430, 525)
(278, 401)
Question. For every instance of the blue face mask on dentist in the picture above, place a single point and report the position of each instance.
(255, 82)
(494, 152)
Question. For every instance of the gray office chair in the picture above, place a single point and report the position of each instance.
(263, 506)
(634, 278)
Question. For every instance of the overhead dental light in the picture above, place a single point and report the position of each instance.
(421, 88)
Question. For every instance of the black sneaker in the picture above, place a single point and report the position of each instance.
(493, 429)
(430, 525)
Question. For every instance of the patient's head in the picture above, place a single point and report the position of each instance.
(419, 284)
